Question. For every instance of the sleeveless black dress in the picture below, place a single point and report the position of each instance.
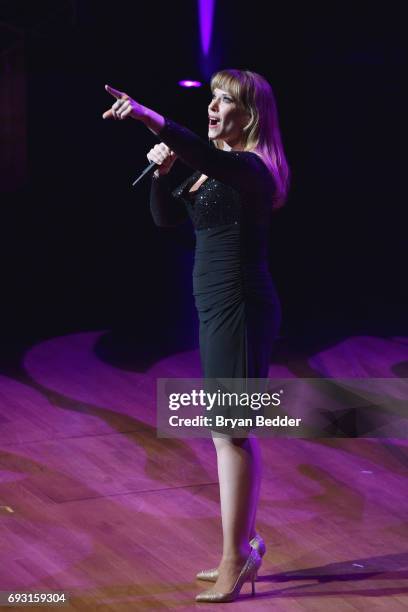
(237, 303)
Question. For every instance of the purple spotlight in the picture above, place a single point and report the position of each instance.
(187, 83)
(206, 11)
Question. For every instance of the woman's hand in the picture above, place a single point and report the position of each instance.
(163, 157)
(124, 106)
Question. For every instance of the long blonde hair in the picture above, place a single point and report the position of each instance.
(262, 135)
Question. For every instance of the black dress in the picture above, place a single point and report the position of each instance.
(237, 303)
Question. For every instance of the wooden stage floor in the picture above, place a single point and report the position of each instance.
(94, 504)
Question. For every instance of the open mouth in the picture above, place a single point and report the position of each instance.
(213, 122)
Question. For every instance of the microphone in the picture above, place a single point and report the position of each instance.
(149, 168)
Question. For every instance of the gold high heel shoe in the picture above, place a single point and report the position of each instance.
(211, 575)
(248, 572)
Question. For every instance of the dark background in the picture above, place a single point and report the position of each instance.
(79, 249)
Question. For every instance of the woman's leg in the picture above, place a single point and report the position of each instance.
(239, 474)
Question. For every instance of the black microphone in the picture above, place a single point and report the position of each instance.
(149, 168)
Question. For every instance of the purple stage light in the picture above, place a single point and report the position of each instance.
(206, 11)
(187, 83)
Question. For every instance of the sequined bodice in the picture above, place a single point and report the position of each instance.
(212, 204)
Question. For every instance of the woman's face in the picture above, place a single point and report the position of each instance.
(226, 119)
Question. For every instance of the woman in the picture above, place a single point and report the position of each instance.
(240, 177)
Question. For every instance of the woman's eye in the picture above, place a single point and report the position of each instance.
(224, 98)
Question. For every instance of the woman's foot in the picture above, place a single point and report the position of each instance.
(211, 575)
(229, 570)
(234, 571)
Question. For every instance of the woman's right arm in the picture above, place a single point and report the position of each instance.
(166, 210)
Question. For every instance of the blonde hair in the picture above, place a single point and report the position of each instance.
(262, 135)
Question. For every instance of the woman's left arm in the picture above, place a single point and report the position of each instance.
(240, 169)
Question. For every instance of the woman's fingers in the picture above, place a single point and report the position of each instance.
(125, 113)
(110, 113)
(124, 106)
(123, 109)
(161, 155)
(152, 158)
(117, 111)
(120, 109)
(114, 92)
(155, 156)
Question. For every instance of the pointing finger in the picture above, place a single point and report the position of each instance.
(114, 92)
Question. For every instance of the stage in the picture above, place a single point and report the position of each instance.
(95, 505)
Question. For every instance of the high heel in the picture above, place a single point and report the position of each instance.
(248, 572)
(211, 575)
(258, 543)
